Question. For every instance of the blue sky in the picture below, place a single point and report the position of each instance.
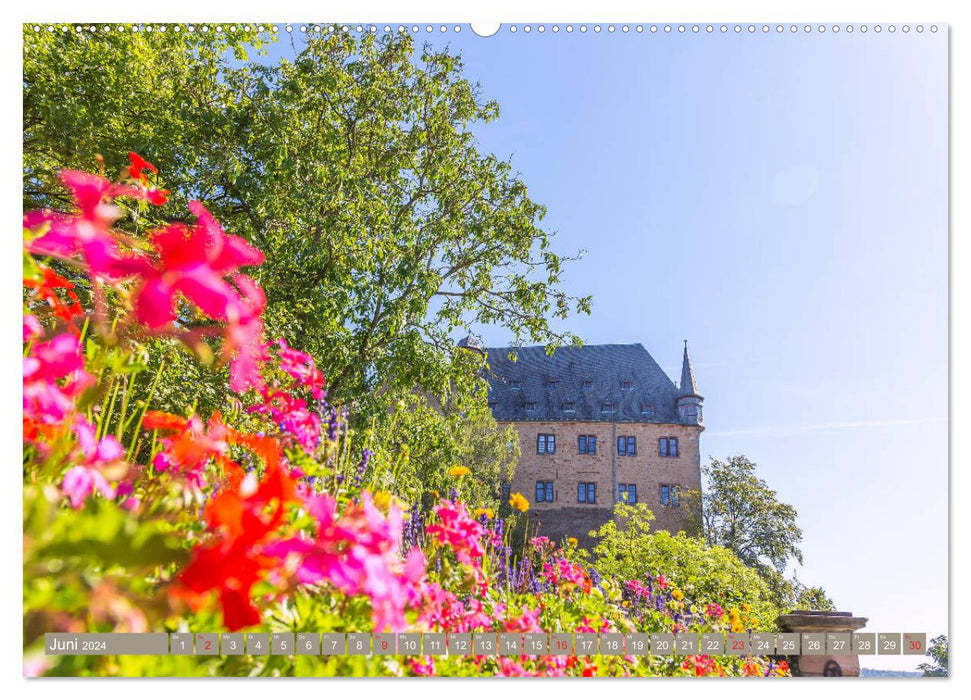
(780, 200)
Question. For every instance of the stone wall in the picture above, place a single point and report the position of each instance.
(566, 468)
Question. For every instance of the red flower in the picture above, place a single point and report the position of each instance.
(138, 165)
(193, 261)
(243, 518)
(45, 289)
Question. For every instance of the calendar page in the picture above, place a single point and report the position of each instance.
(449, 349)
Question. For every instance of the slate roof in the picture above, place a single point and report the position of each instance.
(588, 377)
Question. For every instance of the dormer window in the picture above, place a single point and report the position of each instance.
(588, 384)
(516, 385)
(647, 409)
(607, 408)
(550, 385)
(627, 385)
(530, 407)
(569, 407)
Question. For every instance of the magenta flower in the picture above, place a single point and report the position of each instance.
(293, 417)
(301, 367)
(357, 553)
(194, 262)
(87, 232)
(424, 666)
(527, 622)
(54, 378)
(32, 328)
(86, 478)
(458, 531)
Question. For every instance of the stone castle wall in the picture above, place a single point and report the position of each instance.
(566, 468)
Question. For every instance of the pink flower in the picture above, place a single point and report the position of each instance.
(527, 622)
(87, 232)
(293, 417)
(86, 478)
(80, 482)
(54, 378)
(32, 328)
(243, 339)
(424, 666)
(357, 553)
(193, 262)
(714, 610)
(458, 531)
(301, 367)
(509, 668)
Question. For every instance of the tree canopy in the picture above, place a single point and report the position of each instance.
(741, 513)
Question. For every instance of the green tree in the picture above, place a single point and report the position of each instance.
(938, 651)
(741, 513)
(812, 598)
(354, 166)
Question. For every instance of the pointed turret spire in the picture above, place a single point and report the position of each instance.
(689, 385)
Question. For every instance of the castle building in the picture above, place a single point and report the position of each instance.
(597, 425)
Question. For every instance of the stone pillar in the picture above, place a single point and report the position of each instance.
(823, 621)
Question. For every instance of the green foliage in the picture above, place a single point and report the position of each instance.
(813, 598)
(354, 168)
(938, 651)
(742, 514)
(628, 549)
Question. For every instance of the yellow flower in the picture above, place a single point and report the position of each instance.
(677, 595)
(571, 541)
(458, 471)
(737, 627)
(383, 500)
(519, 502)
(745, 607)
(479, 512)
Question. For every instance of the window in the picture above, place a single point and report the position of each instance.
(626, 446)
(550, 385)
(667, 447)
(588, 384)
(545, 444)
(669, 495)
(587, 444)
(530, 407)
(505, 491)
(627, 493)
(569, 407)
(627, 385)
(607, 408)
(586, 492)
(647, 409)
(544, 491)
(516, 385)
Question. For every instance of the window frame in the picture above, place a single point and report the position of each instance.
(626, 445)
(668, 447)
(673, 495)
(544, 492)
(586, 492)
(548, 441)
